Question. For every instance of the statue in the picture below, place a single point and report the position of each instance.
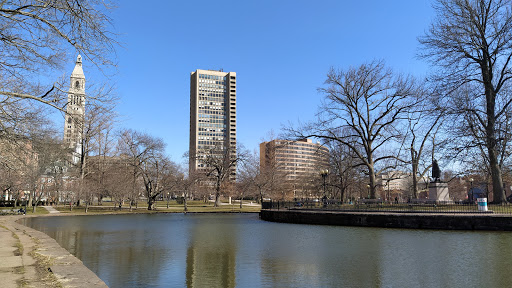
(437, 190)
(436, 172)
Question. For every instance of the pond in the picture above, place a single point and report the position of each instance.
(240, 250)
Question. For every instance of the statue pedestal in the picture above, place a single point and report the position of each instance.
(438, 192)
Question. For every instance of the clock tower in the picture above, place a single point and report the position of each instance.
(75, 111)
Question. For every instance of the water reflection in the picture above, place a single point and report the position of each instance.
(319, 256)
(211, 254)
(206, 250)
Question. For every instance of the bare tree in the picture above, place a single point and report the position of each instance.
(146, 155)
(99, 145)
(97, 140)
(46, 156)
(219, 163)
(38, 35)
(344, 169)
(187, 185)
(255, 176)
(367, 102)
(423, 125)
(118, 180)
(471, 43)
(37, 38)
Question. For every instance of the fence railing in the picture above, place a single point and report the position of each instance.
(374, 205)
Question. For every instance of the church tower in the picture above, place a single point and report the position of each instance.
(75, 111)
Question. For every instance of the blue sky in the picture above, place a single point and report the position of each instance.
(280, 50)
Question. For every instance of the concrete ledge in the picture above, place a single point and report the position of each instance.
(446, 221)
(68, 269)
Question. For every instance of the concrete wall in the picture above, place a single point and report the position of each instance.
(388, 220)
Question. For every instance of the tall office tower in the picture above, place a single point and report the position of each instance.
(212, 117)
(75, 111)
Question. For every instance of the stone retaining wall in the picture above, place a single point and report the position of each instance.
(392, 220)
(68, 269)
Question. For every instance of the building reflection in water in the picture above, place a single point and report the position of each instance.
(211, 254)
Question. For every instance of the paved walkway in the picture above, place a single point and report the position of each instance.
(51, 209)
(29, 258)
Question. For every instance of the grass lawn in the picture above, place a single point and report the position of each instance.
(161, 206)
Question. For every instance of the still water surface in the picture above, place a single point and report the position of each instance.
(239, 250)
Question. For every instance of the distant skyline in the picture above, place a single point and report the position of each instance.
(280, 50)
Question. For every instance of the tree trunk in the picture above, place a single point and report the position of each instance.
(33, 203)
(371, 176)
(414, 158)
(217, 200)
(342, 190)
(497, 181)
(217, 196)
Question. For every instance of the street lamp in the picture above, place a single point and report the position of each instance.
(324, 173)
(368, 186)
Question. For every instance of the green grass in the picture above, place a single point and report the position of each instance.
(39, 211)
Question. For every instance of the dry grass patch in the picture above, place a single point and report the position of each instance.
(42, 265)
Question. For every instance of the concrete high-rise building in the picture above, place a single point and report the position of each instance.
(75, 111)
(212, 116)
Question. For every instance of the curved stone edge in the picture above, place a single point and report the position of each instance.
(487, 222)
(69, 270)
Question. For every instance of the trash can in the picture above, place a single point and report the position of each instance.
(482, 204)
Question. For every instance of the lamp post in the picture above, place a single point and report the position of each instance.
(368, 186)
(324, 173)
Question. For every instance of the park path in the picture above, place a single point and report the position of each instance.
(51, 209)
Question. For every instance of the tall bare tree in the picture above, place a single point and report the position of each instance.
(219, 163)
(471, 42)
(37, 37)
(96, 140)
(367, 102)
(146, 155)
